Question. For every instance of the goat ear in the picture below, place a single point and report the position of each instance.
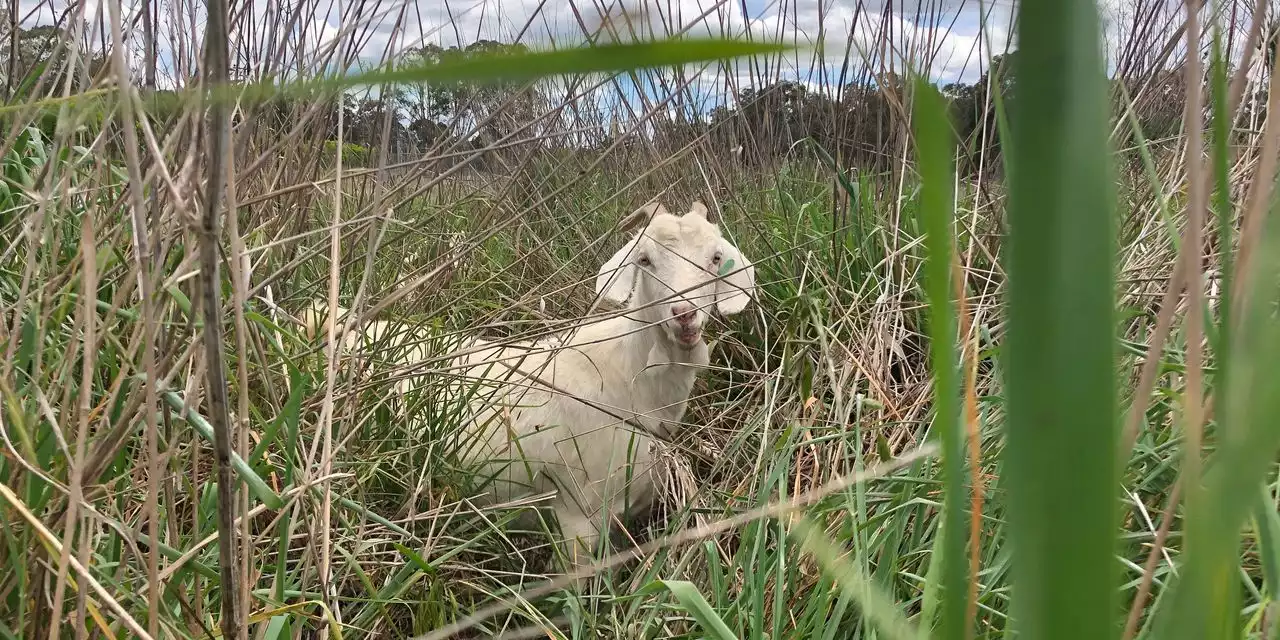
(702, 211)
(316, 316)
(735, 289)
(617, 275)
(641, 217)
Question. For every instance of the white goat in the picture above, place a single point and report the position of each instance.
(565, 416)
(577, 413)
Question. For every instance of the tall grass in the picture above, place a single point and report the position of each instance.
(1061, 383)
(970, 400)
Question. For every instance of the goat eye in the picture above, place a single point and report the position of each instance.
(715, 259)
(643, 261)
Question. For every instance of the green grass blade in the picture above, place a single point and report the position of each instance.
(519, 67)
(1267, 524)
(1059, 461)
(289, 416)
(600, 58)
(692, 600)
(257, 486)
(362, 510)
(277, 627)
(935, 152)
(877, 606)
(416, 559)
(476, 69)
(1206, 600)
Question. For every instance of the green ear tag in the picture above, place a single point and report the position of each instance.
(726, 267)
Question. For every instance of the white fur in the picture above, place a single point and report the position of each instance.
(580, 419)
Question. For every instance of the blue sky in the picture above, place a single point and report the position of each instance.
(951, 39)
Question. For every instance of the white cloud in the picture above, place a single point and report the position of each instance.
(947, 32)
(952, 38)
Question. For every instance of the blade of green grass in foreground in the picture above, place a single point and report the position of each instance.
(877, 606)
(692, 601)
(481, 68)
(1206, 600)
(934, 150)
(1059, 462)
(603, 58)
(1266, 521)
(1221, 179)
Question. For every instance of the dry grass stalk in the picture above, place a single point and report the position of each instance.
(216, 137)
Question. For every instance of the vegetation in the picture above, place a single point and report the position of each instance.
(1008, 373)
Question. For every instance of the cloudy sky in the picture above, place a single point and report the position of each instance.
(945, 34)
(950, 28)
(950, 31)
(953, 37)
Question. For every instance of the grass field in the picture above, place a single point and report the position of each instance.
(975, 395)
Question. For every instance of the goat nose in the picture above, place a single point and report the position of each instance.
(683, 312)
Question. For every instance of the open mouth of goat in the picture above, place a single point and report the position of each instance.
(688, 337)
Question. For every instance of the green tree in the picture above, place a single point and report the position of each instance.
(42, 62)
(482, 113)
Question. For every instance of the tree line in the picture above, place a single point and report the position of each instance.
(861, 123)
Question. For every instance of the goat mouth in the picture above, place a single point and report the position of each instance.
(688, 338)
